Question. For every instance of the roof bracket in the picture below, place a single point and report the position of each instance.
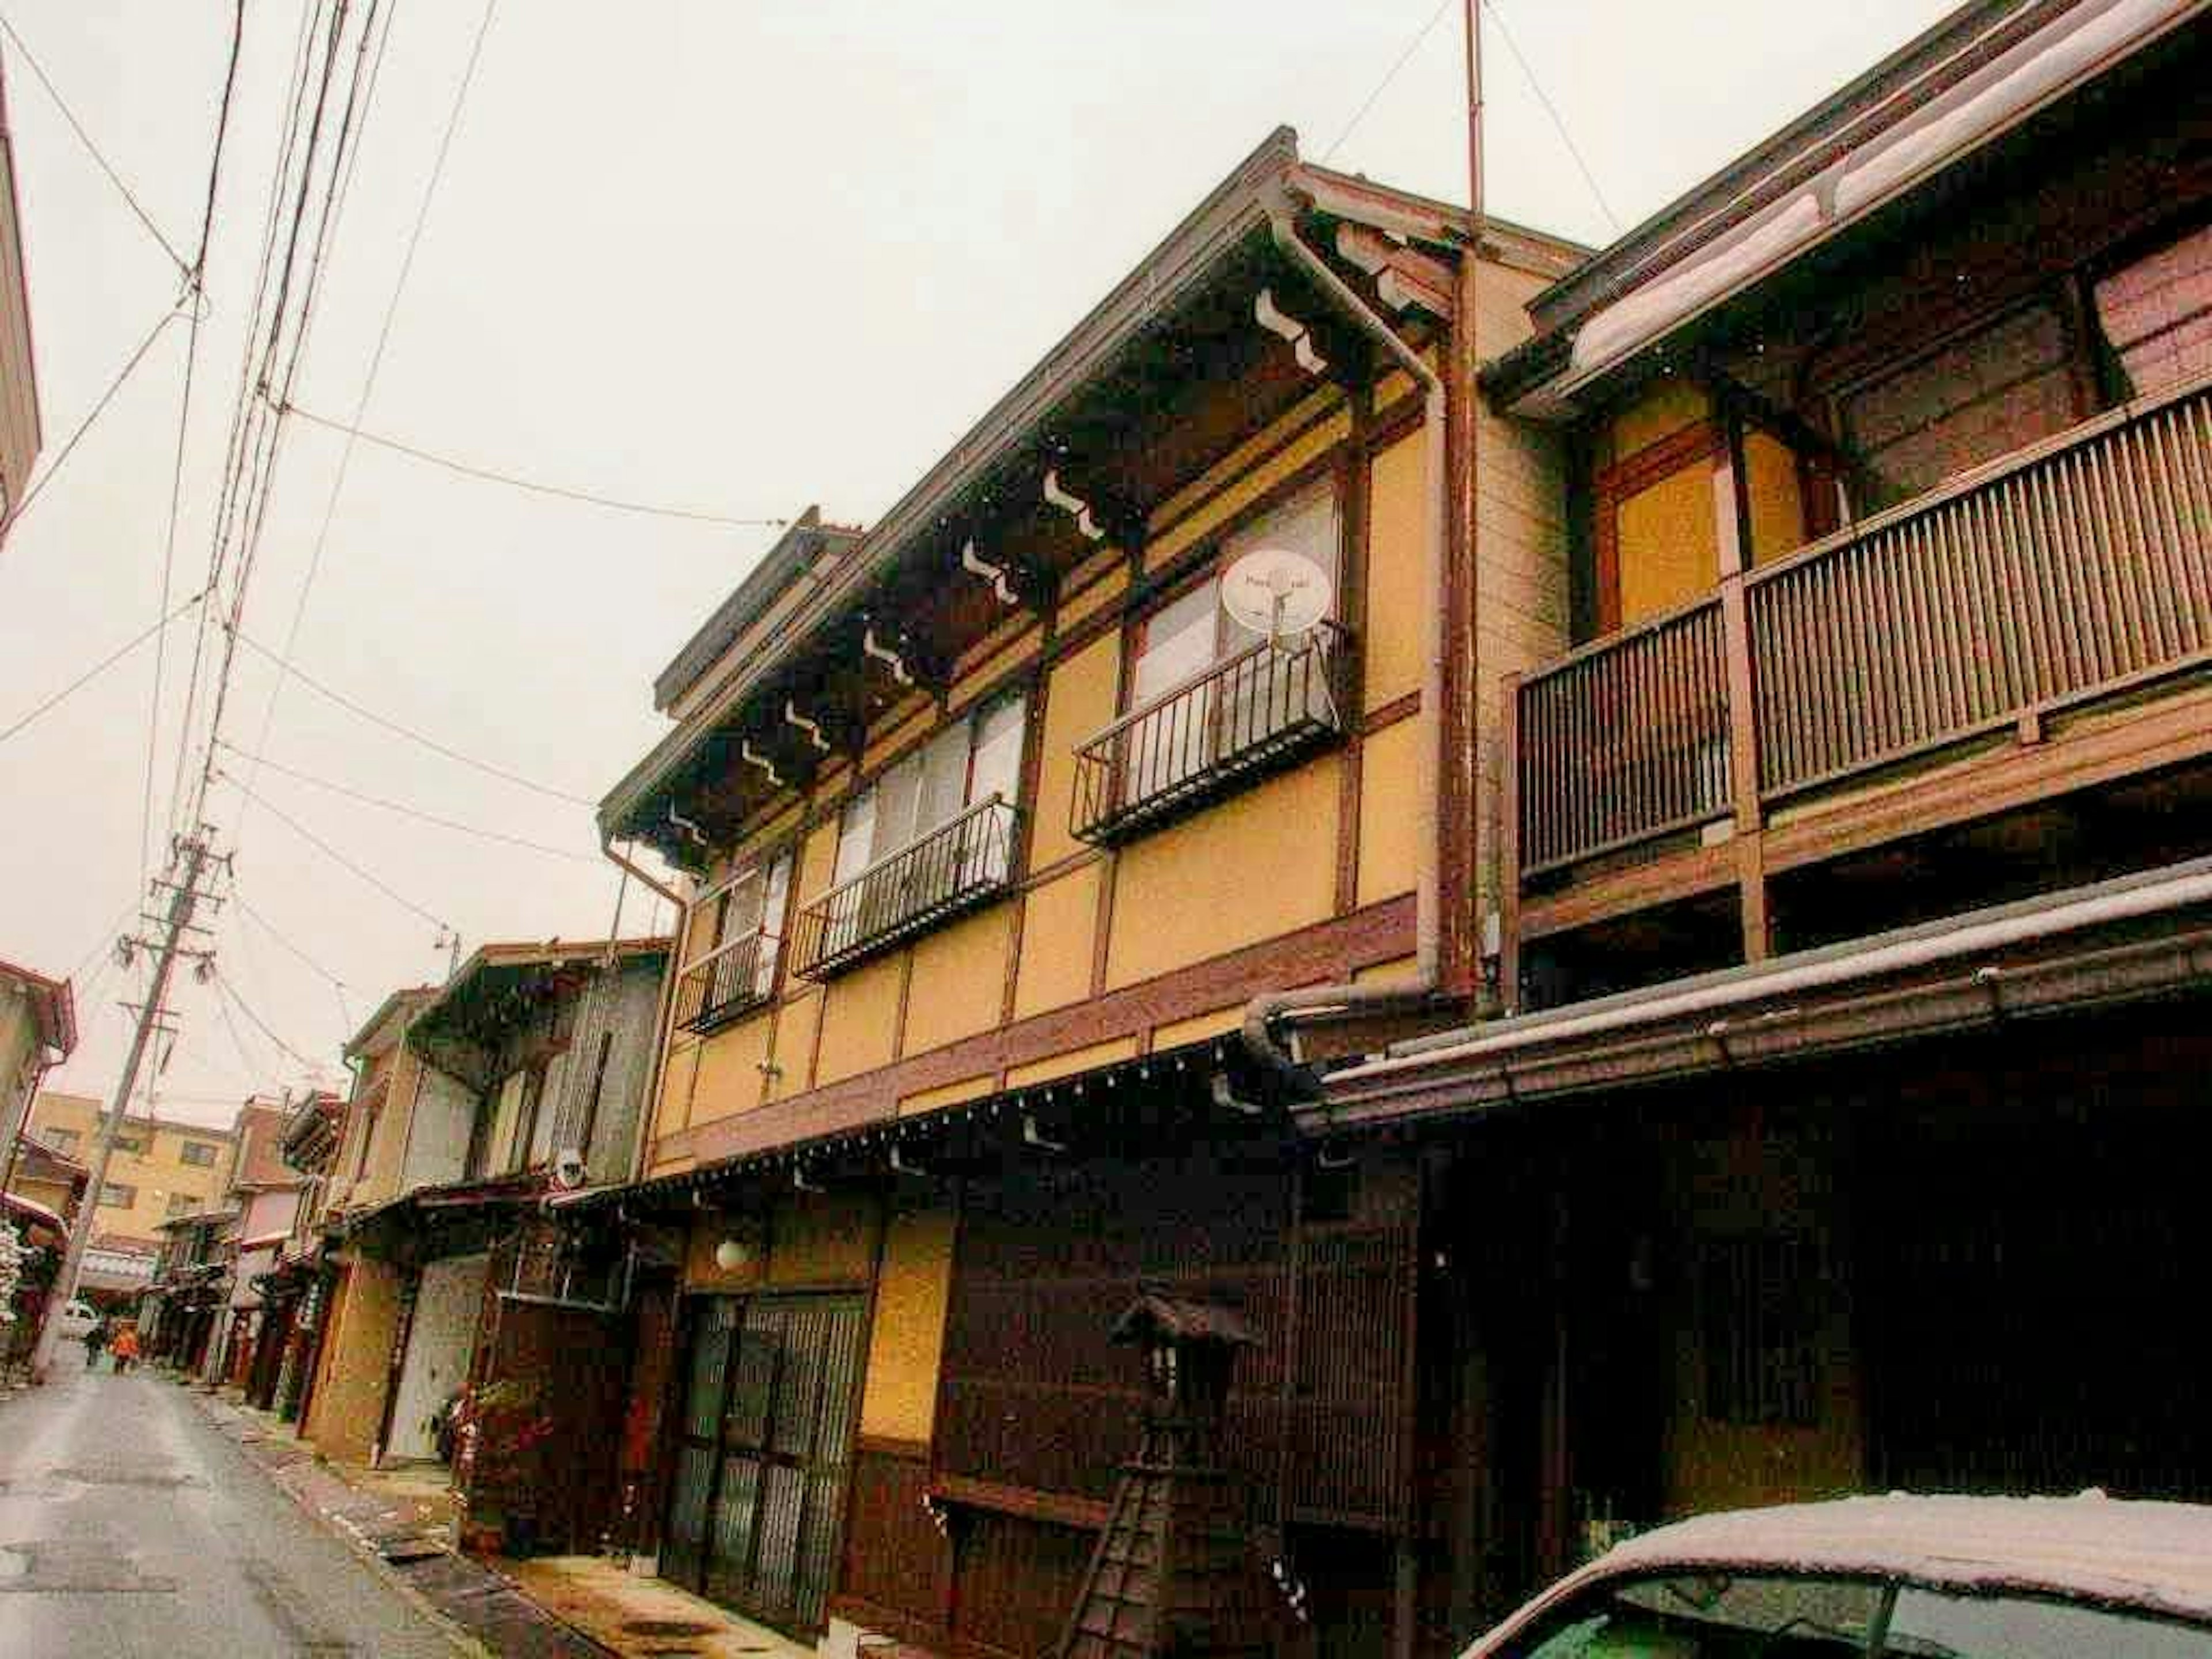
(1276, 321)
(1074, 506)
(752, 756)
(994, 574)
(870, 647)
(812, 728)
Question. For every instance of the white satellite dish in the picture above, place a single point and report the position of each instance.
(1275, 591)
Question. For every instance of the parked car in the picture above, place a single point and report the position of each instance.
(1910, 1577)
(76, 1318)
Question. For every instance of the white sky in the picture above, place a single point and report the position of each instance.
(733, 257)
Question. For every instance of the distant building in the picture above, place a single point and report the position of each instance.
(160, 1171)
(37, 1029)
(20, 434)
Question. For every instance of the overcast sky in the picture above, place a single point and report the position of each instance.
(732, 257)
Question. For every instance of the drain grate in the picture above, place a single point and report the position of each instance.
(667, 1627)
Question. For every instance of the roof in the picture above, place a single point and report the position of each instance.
(36, 1161)
(2153, 1556)
(796, 551)
(30, 1209)
(373, 1037)
(53, 1004)
(1976, 75)
(482, 989)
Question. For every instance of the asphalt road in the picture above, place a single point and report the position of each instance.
(129, 1525)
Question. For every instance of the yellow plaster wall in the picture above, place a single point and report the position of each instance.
(860, 1018)
(959, 979)
(1398, 600)
(899, 1399)
(825, 1240)
(1390, 788)
(1773, 495)
(729, 1070)
(1213, 1023)
(1665, 409)
(819, 861)
(1074, 1060)
(1079, 699)
(678, 1079)
(387, 1146)
(1668, 546)
(949, 1094)
(794, 1044)
(1059, 927)
(1266, 857)
(349, 1404)
(1225, 501)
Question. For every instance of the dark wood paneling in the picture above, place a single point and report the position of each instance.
(1015, 1582)
(895, 1558)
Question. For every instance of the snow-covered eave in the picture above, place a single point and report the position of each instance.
(2071, 51)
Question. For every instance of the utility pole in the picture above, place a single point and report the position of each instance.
(189, 861)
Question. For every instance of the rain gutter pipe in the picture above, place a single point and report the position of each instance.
(1264, 1013)
(648, 1108)
(2130, 899)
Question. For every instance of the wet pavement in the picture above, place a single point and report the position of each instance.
(129, 1525)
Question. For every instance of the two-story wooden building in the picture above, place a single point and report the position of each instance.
(1854, 879)
(1000, 815)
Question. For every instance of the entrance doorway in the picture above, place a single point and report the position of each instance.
(439, 1340)
(763, 1442)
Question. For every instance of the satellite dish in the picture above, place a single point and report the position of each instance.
(1275, 591)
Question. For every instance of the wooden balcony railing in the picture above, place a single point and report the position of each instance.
(2070, 570)
(1248, 713)
(728, 981)
(968, 861)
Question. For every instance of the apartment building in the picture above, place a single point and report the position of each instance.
(161, 1169)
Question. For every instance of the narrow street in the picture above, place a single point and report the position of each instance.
(130, 1526)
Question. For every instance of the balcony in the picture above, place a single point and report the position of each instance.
(2072, 572)
(952, 869)
(1250, 713)
(728, 982)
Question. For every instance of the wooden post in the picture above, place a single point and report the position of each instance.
(1509, 847)
(1730, 513)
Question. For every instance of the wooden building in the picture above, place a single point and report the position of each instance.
(997, 822)
(1853, 845)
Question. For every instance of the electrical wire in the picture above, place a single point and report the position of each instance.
(1389, 75)
(332, 853)
(17, 509)
(197, 283)
(93, 149)
(98, 668)
(412, 735)
(489, 475)
(337, 985)
(368, 383)
(1558, 125)
(407, 811)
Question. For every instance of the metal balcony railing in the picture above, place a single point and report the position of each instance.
(2073, 569)
(728, 981)
(951, 869)
(1248, 713)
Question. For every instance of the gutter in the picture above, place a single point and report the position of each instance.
(1264, 1013)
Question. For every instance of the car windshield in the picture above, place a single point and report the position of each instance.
(1720, 1615)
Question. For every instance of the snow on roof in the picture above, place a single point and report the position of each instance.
(2154, 1556)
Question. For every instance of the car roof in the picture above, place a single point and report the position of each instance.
(2154, 1556)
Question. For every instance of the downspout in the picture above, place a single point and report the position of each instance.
(648, 1108)
(1264, 1013)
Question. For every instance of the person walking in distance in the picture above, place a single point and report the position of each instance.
(95, 1340)
(126, 1347)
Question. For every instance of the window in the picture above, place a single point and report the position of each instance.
(182, 1203)
(129, 1140)
(198, 1153)
(738, 936)
(2156, 314)
(116, 1195)
(62, 1140)
(970, 764)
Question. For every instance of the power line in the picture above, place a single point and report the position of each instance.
(230, 991)
(375, 366)
(1389, 75)
(331, 852)
(405, 810)
(100, 668)
(409, 733)
(490, 475)
(85, 138)
(17, 509)
(1557, 124)
(337, 985)
(198, 282)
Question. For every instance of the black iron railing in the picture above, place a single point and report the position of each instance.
(729, 980)
(1248, 713)
(950, 870)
